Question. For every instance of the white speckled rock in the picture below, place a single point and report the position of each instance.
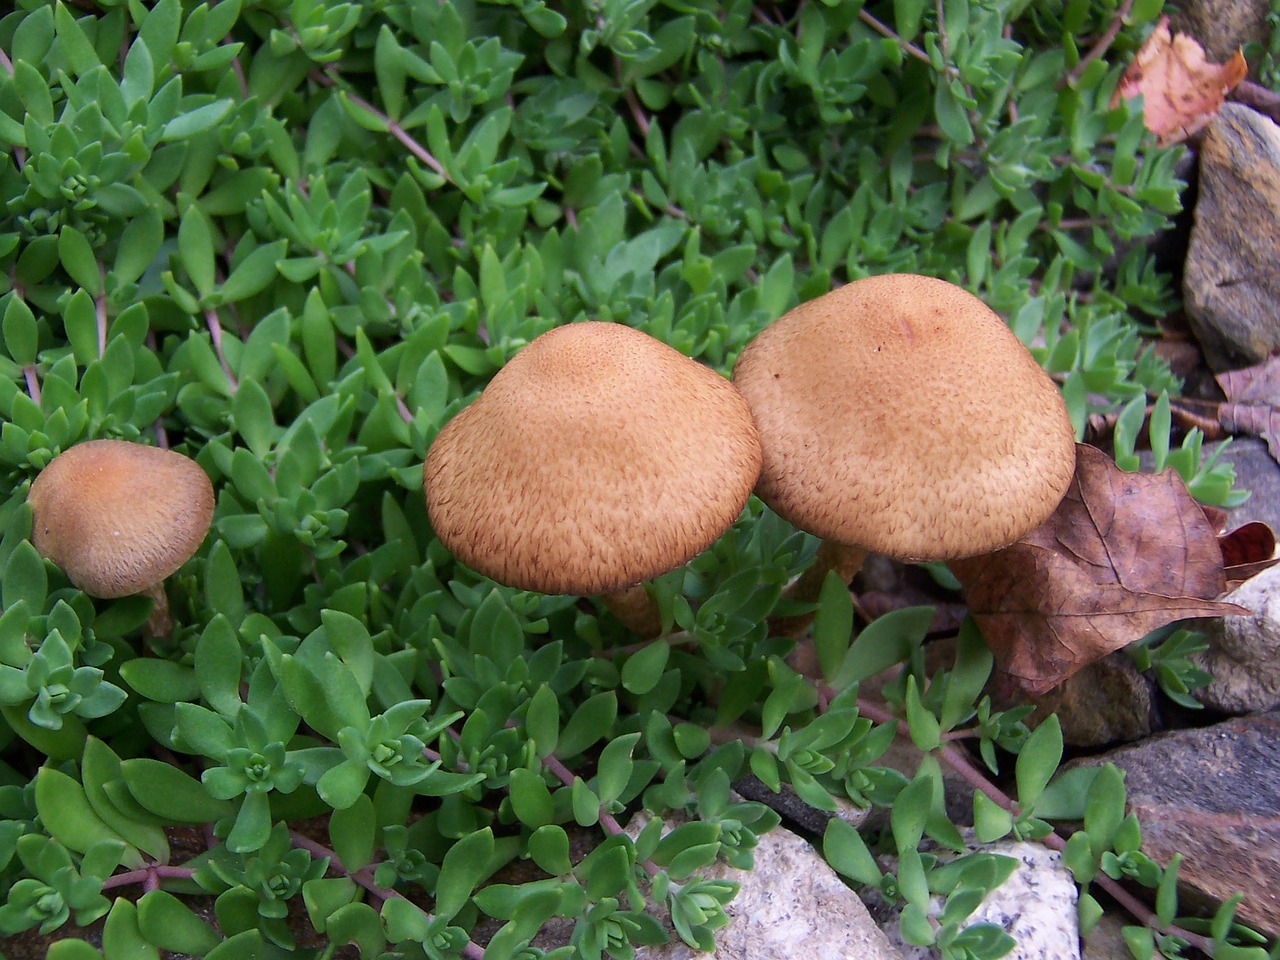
(1036, 906)
(791, 906)
(1244, 658)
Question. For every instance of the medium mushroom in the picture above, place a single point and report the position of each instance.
(120, 517)
(597, 458)
(899, 414)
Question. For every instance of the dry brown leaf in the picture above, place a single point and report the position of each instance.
(1123, 554)
(1181, 90)
(1253, 402)
(1257, 384)
(1247, 551)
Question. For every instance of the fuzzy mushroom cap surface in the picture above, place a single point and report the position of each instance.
(119, 517)
(900, 414)
(598, 457)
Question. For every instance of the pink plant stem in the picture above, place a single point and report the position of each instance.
(100, 309)
(1100, 47)
(397, 131)
(33, 381)
(607, 821)
(364, 878)
(238, 69)
(403, 408)
(885, 31)
(960, 763)
(162, 436)
(149, 877)
(215, 334)
(328, 79)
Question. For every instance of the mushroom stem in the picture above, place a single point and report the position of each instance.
(159, 623)
(636, 609)
(845, 559)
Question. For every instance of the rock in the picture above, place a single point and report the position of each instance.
(1105, 941)
(1244, 656)
(904, 756)
(1231, 286)
(1257, 472)
(1223, 26)
(1036, 906)
(1108, 701)
(795, 813)
(790, 905)
(1213, 795)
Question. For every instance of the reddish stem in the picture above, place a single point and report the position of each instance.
(1099, 48)
(215, 334)
(327, 79)
(960, 763)
(33, 381)
(149, 876)
(100, 309)
(364, 878)
(607, 821)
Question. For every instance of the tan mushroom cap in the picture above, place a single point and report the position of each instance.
(598, 457)
(119, 517)
(900, 414)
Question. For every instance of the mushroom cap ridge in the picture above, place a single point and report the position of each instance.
(900, 414)
(598, 457)
(119, 517)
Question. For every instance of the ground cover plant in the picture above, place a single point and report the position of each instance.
(291, 239)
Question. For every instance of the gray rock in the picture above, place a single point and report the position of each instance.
(1213, 795)
(1222, 26)
(1036, 906)
(1257, 472)
(1108, 701)
(791, 906)
(1231, 286)
(1244, 656)
(1106, 941)
(795, 813)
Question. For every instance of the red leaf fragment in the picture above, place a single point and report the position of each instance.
(1123, 554)
(1247, 551)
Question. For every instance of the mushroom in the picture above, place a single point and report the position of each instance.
(597, 458)
(120, 517)
(899, 414)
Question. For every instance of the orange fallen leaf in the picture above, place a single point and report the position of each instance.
(1181, 90)
(1123, 554)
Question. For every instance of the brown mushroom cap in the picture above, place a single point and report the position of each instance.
(119, 517)
(901, 415)
(598, 457)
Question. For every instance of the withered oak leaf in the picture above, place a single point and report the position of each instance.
(1123, 554)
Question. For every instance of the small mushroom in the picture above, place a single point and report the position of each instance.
(597, 458)
(899, 414)
(120, 517)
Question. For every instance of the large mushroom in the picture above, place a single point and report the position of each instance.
(120, 517)
(899, 415)
(597, 458)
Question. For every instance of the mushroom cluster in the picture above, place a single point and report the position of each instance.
(120, 517)
(897, 414)
(597, 458)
